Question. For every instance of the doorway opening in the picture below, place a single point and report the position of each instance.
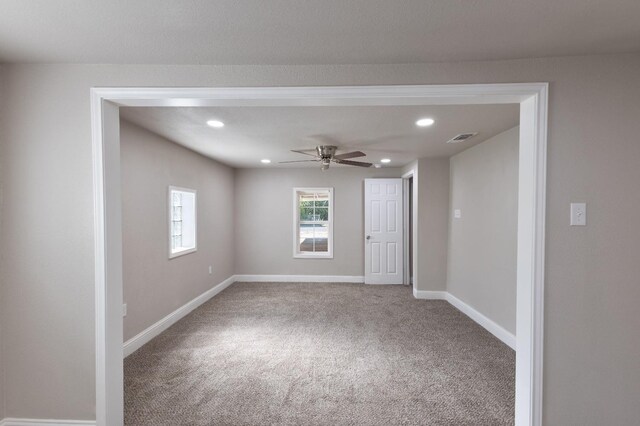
(408, 226)
(532, 98)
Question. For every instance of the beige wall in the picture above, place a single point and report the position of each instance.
(431, 207)
(481, 268)
(154, 285)
(591, 367)
(265, 241)
(433, 202)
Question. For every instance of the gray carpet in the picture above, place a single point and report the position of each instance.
(321, 354)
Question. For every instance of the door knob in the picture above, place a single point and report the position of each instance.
(368, 237)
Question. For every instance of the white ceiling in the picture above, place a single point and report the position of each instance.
(253, 133)
(312, 31)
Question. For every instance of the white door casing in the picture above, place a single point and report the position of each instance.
(533, 100)
(383, 244)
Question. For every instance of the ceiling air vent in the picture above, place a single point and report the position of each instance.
(461, 137)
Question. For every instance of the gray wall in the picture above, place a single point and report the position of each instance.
(481, 269)
(591, 367)
(154, 285)
(431, 208)
(265, 243)
(433, 202)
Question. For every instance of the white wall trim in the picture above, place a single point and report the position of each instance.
(137, 341)
(105, 135)
(49, 422)
(406, 196)
(300, 278)
(429, 295)
(491, 326)
(533, 100)
(145, 336)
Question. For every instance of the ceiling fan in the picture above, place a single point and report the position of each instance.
(325, 154)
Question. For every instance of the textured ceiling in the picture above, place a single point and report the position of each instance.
(253, 133)
(311, 31)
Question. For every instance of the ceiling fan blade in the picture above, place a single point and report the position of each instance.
(305, 151)
(346, 155)
(354, 163)
(299, 161)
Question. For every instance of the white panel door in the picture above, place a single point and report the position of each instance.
(383, 247)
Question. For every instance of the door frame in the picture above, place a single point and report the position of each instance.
(409, 260)
(533, 100)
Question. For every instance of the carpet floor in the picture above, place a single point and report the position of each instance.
(321, 354)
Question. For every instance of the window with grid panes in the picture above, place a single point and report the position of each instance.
(182, 221)
(313, 230)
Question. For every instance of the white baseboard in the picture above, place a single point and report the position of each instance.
(431, 295)
(45, 422)
(491, 326)
(136, 342)
(300, 278)
(145, 336)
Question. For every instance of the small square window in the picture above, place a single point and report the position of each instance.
(313, 217)
(182, 221)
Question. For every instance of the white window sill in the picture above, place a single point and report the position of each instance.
(182, 252)
(313, 256)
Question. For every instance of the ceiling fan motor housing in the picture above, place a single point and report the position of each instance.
(326, 151)
(325, 154)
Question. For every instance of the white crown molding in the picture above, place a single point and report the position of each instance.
(136, 342)
(45, 422)
(300, 278)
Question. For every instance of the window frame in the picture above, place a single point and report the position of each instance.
(170, 190)
(296, 225)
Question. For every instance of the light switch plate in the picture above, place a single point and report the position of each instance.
(578, 214)
(124, 309)
(457, 213)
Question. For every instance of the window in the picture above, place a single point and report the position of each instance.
(313, 222)
(182, 221)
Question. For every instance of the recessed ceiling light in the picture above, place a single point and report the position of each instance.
(385, 160)
(215, 123)
(265, 161)
(377, 166)
(425, 122)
